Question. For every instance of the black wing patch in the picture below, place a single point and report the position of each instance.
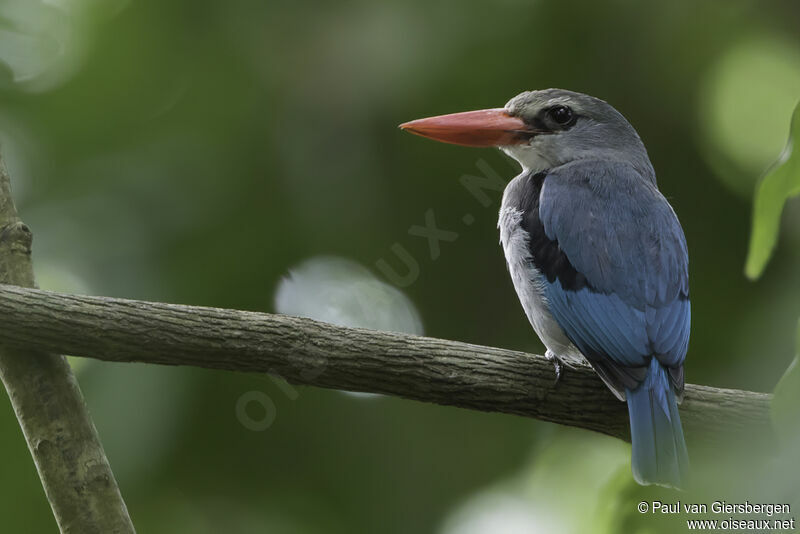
(546, 254)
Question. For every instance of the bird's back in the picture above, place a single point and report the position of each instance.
(608, 259)
(606, 253)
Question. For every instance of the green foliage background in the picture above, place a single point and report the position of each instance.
(780, 183)
(195, 151)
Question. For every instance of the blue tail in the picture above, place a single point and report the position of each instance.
(659, 451)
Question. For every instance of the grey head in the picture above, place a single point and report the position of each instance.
(566, 126)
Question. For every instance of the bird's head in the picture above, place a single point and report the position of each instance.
(543, 129)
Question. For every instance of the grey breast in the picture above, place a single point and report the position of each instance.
(527, 279)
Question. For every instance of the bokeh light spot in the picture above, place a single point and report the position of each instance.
(745, 108)
(342, 292)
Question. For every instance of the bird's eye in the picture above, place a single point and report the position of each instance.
(560, 114)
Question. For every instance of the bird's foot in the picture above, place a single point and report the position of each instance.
(558, 364)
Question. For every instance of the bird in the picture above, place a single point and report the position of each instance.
(596, 255)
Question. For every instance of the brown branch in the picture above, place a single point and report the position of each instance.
(304, 351)
(62, 439)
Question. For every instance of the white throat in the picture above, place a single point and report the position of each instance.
(529, 157)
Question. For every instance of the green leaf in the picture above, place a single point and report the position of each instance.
(785, 409)
(781, 182)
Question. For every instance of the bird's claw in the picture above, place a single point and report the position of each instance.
(558, 365)
(558, 368)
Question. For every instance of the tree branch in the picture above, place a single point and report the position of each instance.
(304, 351)
(49, 406)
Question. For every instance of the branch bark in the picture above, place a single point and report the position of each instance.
(72, 465)
(308, 352)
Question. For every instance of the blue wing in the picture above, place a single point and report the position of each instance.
(620, 235)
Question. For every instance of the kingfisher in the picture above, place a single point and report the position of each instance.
(596, 255)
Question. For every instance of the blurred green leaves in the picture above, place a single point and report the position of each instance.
(786, 403)
(781, 182)
(41, 43)
(745, 98)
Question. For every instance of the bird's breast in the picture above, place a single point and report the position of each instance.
(528, 280)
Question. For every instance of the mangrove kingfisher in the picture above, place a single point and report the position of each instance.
(596, 254)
